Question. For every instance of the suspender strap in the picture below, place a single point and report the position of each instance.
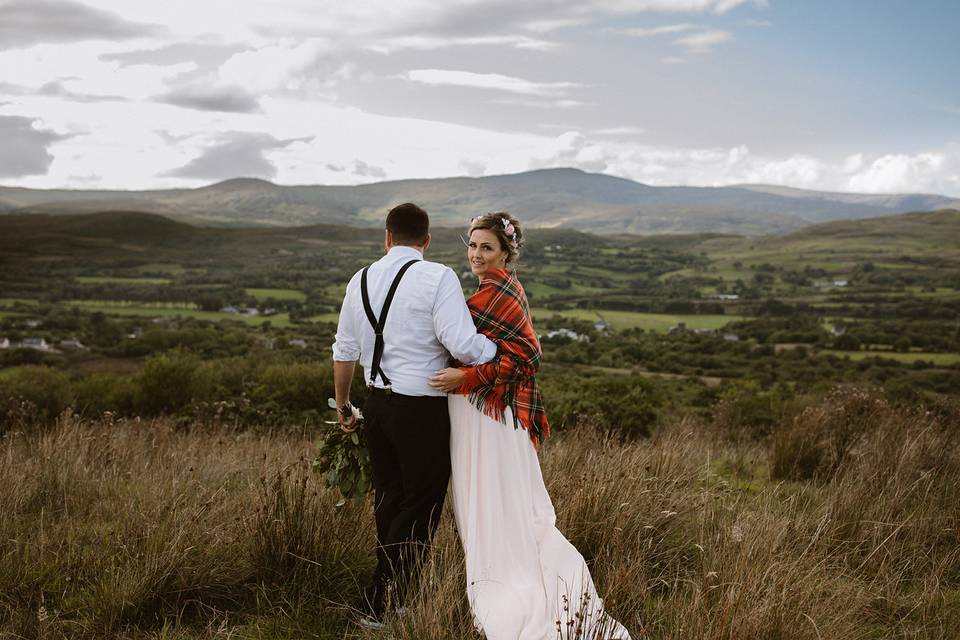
(378, 323)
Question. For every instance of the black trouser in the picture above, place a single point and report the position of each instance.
(409, 442)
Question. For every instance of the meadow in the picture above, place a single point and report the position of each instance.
(840, 522)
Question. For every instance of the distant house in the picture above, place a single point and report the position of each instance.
(229, 310)
(467, 275)
(567, 333)
(725, 296)
(136, 333)
(251, 311)
(838, 330)
(601, 326)
(5, 343)
(705, 332)
(33, 324)
(269, 311)
(300, 343)
(839, 283)
(37, 344)
(73, 344)
(731, 337)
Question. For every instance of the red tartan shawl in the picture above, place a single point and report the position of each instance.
(501, 312)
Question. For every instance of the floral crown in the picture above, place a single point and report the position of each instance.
(508, 229)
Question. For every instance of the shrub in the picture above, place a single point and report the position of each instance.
(169, 382)
(816, 442)
(46, 390)
(625, 405)
(101, 392)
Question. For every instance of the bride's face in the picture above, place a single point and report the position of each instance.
(484, 252)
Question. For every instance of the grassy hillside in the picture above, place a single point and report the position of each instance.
(842, 525)
(906, 241)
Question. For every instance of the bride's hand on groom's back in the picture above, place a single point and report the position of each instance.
(448, 380)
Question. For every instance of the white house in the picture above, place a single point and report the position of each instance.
(5, 343)
(37, 344)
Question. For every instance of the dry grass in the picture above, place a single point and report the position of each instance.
(845, 526)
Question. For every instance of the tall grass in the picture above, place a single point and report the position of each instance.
(844, 523)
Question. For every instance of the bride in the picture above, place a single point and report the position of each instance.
(525, 581)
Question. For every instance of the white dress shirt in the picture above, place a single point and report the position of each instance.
(428, 320)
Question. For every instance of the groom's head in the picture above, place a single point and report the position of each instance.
(407, 225)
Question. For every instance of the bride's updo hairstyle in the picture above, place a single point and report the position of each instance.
(507, 229)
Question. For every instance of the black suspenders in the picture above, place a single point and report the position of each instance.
(378, 324)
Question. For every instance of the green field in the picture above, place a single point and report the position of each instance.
(333, 317)
(118, 280)
(945, 359)
(98, 304)
(277, 294)
(173, 311)
(9, 302)
(659, 322)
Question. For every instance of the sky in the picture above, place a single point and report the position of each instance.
(837, 95)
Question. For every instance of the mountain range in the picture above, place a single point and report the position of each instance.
(568, 198)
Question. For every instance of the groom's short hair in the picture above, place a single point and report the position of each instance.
(409, 224)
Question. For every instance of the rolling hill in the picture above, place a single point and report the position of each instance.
(567, 198)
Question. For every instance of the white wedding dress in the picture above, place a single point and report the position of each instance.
(525, 581)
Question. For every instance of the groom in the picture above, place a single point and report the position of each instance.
(402, 317)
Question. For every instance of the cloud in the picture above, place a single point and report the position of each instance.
(237, 154)
(540, 103)
(473, 168)
(645, 32)
(362, 169)
(28, 22)
(55, 88)
(930, 172)
(233, 99)
(704, 41)
(621, 131)
(673, 60)
(496, 81)
(208, 53)
(24, 151)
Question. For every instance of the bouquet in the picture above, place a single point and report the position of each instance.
(343, 459)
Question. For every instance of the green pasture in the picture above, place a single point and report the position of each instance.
(162, 267)
(944, 359)
(940, 292)
(658, 322)
(9, 372)
(98, 304)
(333, 317)
(120, 280)
(276, 294)
(173, 310)
(9, 302)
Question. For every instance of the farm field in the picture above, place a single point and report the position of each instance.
(120, 280)
(909, 357)
(276, 294)
(175, 310)
(658, 322)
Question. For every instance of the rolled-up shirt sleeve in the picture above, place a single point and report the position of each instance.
(454, 326)
(346, 346)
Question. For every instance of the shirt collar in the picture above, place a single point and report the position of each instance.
(404, 251)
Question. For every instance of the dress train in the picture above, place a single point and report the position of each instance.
(525, 581)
